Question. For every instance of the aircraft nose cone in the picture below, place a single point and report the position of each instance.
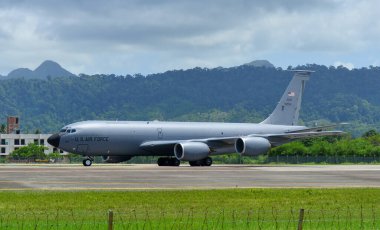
(54, 140)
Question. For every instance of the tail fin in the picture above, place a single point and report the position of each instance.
(287, 110)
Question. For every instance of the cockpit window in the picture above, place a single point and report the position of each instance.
(71, 130)
(67, 130)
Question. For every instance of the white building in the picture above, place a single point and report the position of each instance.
(11, 142)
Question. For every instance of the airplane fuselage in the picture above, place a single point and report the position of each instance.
(94, 138)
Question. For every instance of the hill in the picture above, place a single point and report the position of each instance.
(238, 94)
(260, 63)
(47, 69)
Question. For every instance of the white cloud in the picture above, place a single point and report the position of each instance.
(151, 36)
(348, 65)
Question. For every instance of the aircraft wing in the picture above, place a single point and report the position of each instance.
(168, 146)
(278, 139)
(300, 135)
(318, 128)
(159, 146)
(275, 139)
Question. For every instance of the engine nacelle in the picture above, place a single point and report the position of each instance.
(252, 146)
(191, 151)
(115, 159)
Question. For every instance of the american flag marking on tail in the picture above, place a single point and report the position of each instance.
(291, 94)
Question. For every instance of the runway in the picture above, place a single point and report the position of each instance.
(136, 177)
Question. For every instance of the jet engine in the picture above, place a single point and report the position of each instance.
(191, 151)
(115, 159)
(252, 146)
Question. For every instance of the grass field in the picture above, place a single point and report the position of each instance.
(353, 208)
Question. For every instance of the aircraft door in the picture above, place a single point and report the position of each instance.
(160, 133)
(82, 148)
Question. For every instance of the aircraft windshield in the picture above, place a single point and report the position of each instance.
(71, 130)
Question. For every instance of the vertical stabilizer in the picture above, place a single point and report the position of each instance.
(287, 110)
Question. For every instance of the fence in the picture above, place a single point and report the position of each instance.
(229, 159)
(265, 159)
(324, 159)
(348, 218)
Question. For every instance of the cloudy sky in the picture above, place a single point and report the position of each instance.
(128, 37)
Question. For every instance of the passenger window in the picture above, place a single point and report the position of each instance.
(73, 130)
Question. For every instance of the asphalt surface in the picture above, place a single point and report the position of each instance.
(132, 177)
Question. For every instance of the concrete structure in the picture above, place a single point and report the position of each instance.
(11, 142)
(13, 124)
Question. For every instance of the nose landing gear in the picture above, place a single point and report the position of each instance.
(88, 161)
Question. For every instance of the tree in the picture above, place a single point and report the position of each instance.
(32, 151)
(3, 128)
(370, 133)
(293, 148)
(55, 155)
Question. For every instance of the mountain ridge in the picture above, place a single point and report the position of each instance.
(52, 69)
(260, 63)
(46, 69)
(236, 94)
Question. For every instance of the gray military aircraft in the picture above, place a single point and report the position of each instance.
(195, 142)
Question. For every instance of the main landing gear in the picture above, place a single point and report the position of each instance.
(168, 161)
(204, 162)
(88, 161)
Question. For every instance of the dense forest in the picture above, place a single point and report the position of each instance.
(237, 94)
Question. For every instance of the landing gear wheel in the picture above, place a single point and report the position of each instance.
(166, 161)
(87, 162)
(161, 162)
(194, 163)
(175, 162)
(207, 161)
(204, 162)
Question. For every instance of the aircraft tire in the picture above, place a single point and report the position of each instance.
(175, 162)
(87, 162)
(207, 161)
(166, 161)
(161, 161)
(194, 163)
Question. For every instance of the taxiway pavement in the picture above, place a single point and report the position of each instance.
(132, 177)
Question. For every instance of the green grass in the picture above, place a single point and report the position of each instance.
(348, 208)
